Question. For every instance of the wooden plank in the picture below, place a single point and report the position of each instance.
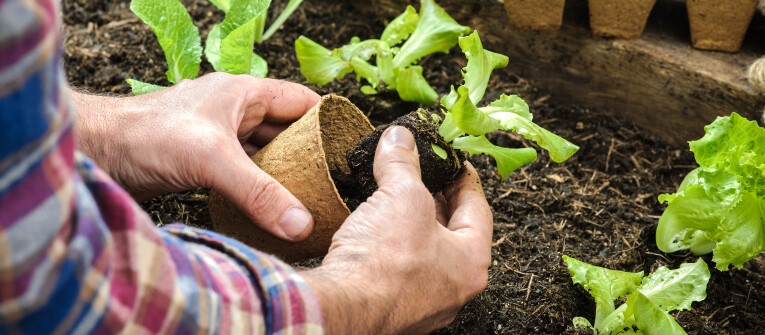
(659, 81)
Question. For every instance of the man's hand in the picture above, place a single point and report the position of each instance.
(200, 133)
(405, 262)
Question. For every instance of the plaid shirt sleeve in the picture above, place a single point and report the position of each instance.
(77, 254)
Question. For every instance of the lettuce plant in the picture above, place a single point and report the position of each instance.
(229, 44)
(719, 206)
(465, 125)
(429, 31)
(648, 299)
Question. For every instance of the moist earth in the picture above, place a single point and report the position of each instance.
(600, 206)
(437, 172)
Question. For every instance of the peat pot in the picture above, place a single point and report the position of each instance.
(301, 159)
(720, 24)
(535, 14)
(619, 18)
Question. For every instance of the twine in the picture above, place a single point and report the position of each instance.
(757, 75)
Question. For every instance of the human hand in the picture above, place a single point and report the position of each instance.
(405, 262)
(200, 133)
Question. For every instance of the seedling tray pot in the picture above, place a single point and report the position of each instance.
(301, 158)
(619, 18)
(720, 25)
(535, 14)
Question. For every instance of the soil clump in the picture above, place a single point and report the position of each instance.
(437, 172)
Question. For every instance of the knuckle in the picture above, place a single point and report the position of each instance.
(263, 195)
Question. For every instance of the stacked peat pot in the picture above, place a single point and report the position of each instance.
(720, 25)
(619, 18)
(535, 14)
(715, 24)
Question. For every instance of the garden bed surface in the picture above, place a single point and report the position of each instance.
(600, 206)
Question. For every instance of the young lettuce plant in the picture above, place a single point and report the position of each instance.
(466, 125)
(429, 31)
(463, 128)
(229, 44)
(719, 206)
(648, 299)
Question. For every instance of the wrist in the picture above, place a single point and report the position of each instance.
(94, 119)
(351, 303)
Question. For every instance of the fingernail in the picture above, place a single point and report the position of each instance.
(294, 222)
(399, 136)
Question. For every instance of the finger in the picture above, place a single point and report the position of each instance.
(396, 158)
(265, 133)
(468, 206)
(266, 202)
(442, 209)
(282, 101)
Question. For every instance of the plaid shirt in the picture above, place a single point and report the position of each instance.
(77, 254)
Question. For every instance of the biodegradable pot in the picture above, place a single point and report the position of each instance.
(619, 18)
(720, 24)
(535, 14)
(301, 159)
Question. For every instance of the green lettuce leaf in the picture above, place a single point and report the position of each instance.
(508, 159)
(651, 319)
(448, 129)
(509, 103)
(223, 5)
(177, 35)
(468, 118)
(478, 70)
(560, 149)
(677, 289)
(236, 49)
(258, 66)
(140, 87)
(366, 71)
(362, 49)
(212, 48)
(718, 207)
(318, 64)
(292, 5)
(436, 32)
(401, 27)
(411, 85)
(242, 12)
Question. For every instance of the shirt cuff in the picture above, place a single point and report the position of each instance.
(289, 304)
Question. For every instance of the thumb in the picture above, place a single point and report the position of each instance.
(396, 158)
(266, 202)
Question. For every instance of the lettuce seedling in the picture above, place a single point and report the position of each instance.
(648, 299)
(228, 46)
(429, 31)
(719, 206)
(465, 125)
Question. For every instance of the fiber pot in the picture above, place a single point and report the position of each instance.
(301, 159)
(619, 18)
(720, 25)
(535, 14)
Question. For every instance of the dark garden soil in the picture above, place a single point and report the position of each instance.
(600, 206)
(437, 172)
